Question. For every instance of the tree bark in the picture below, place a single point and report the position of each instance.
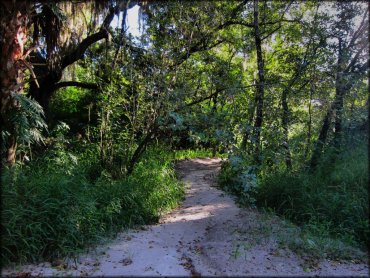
(14, 20)
(140, 150)
(339, 92)
(309, 124)
(42, 93)
(337, 107)
(260, 88)
(339, 97)
(284, 122)
(322, 139)
(247, 133)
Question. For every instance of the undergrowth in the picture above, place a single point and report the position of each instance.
(195, 153)
(63, 202)
(330, 205)
(333, 201)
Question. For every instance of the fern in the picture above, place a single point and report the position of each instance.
(28, 121)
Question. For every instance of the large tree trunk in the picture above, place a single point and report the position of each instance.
(260, 88)
(50, 74)
(14, 20)
(339, 97)
(43, 93)
(339, 94)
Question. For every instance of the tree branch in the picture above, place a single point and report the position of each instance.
(360, 30)
(271, 32)
(141, 148)
(200, 46)
(250, 25)
(203, 98)
(233, 22)
(79, 51)
(355, 58)
(365, 66)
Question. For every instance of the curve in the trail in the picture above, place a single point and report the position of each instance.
(208, 235)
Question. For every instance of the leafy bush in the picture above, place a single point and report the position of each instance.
(336, 199)
(239, 179)
(28, 122)
(56, 206)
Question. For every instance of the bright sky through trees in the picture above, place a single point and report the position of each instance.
(132, 21)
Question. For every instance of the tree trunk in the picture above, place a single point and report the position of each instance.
(322, 139)
(248, 131)
(309, 133)
(140, 150)
(284, 122)
(43, 93)
(339, 94)
(49, 76)
(214, 144)
(14, 35)
(260, 88)
(339, 98)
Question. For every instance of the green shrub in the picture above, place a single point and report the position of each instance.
(335, 199)
(57, 205)
(239, 179)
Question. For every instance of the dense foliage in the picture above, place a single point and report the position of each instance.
(280, 88)
(77, 203)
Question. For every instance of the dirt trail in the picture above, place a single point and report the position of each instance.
(208, 235)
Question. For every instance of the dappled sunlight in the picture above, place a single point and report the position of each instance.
(197, 212)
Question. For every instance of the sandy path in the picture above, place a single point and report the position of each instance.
(208, 235)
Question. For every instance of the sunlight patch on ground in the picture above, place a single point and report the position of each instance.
(197, 212)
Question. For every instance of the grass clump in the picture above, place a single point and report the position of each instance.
(330, 206)
(196, 153)
(314, 240)
(63, 202)
(331, 202)
(239, 179)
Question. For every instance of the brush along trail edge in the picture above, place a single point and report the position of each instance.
(208, 235)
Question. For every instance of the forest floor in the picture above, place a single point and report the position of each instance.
(208, 235)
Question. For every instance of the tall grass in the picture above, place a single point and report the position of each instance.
(332, 201)
(330, 206)
(64, 202)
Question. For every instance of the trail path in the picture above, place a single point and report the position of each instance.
(209, 235)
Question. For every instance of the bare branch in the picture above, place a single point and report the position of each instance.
(355, 58)
(233, 22)
(200, 46)
(363, 25)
